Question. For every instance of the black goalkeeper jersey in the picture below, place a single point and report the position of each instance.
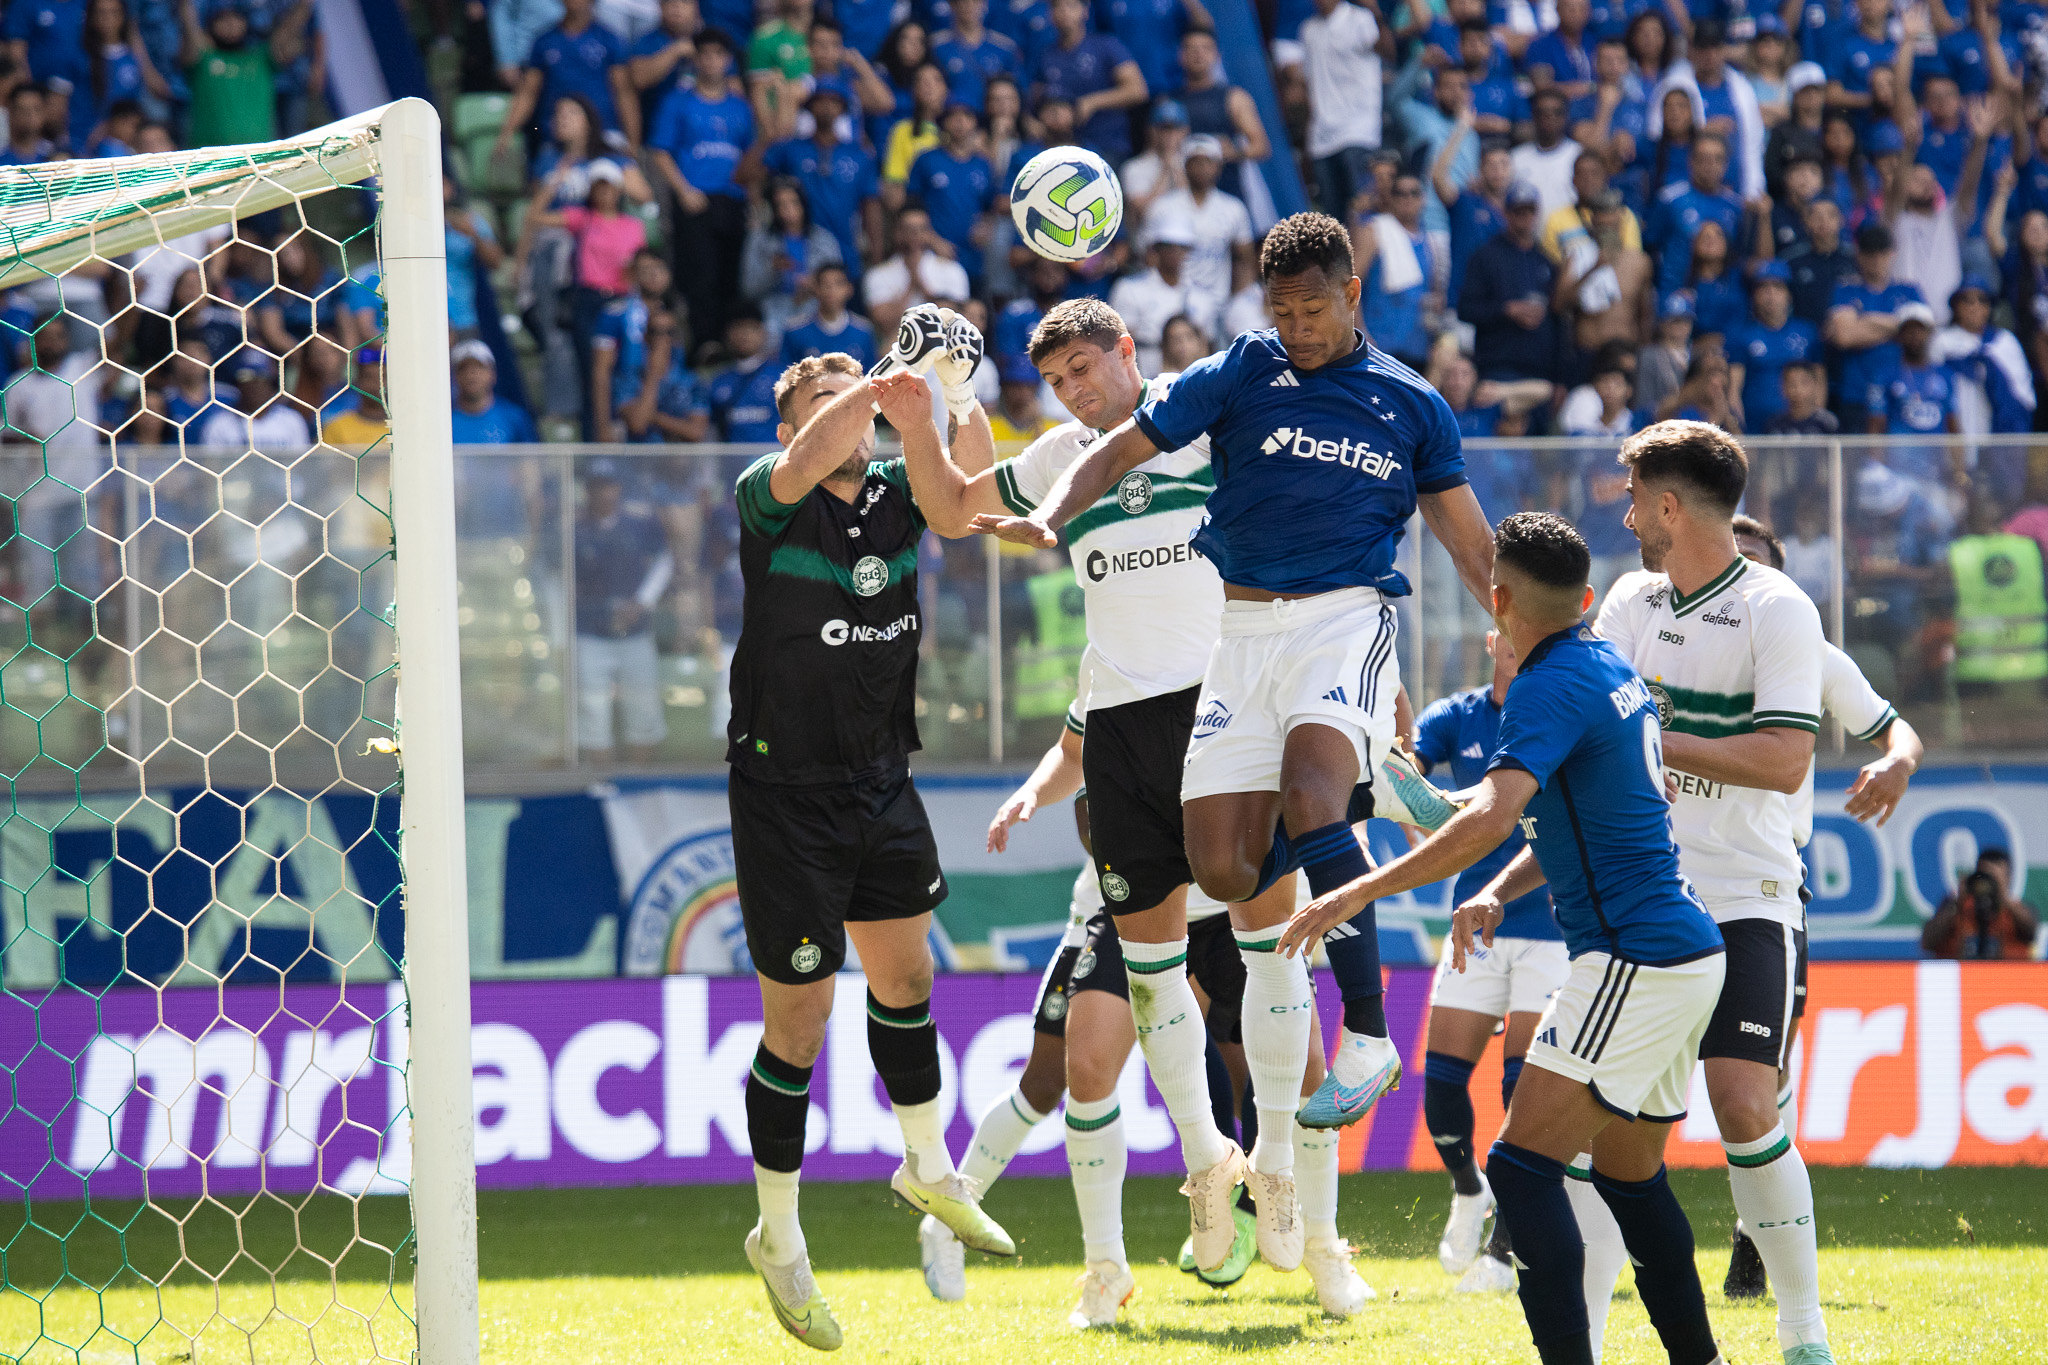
(824, 679)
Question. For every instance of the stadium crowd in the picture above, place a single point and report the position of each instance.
(1576, 217)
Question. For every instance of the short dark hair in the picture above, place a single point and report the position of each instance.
(1083, 319)
(1709, 135)
(1305, 242)
(827, 25)
(839, 266)
(1549, 93)
(1994, 855)
(717, 37)
(1704, 458)
(1544, 547)
(1466, 26)
(1746, 525)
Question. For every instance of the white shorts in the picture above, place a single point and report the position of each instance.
(1514, 976)
(1327, 659)
(626, 671)
(1630, 1033)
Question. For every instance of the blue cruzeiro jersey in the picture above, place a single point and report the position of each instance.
(1317, 471)
(1463, 730)
(1579, 720)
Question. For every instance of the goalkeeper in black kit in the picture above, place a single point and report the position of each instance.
(829, 836)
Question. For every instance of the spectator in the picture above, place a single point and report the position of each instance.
(1821, 264)
(1497, 101)
(1797, 137)
(1394, 261)
(916, 133)
(1159, 168)
(1343, 46)
(1221, 259)
(1652, 47)
(1797, 190)
(1861, 53)
(619, 369)
(972, 56)
(1681, 209)
(1705, 396)
(1610, 415)
(915, 274)
(577, 142)
(1028, 24)
(1003, 108)
(472, 251)
(1727, 105)
(743, 395)
(1152, 32)
(1994, 389)
(1716, 290)
(1184, 342)
(1804, 413)
(696, 145)
(606, 241)
(46, 40)
(837, 175)
(907, 48)
(1097, 72)
(1913, 395)
(578, 56)
(1146, 302)
(171, 404)
(1661, 367)
(51, 406)
(1845, 169)
(1863, 323)
(670, 405)
(1770, 60)
(623, 567)
(957, 187)
(1548, 160)
(783, 256)
(117, 133)
(1563, 58)
(659, 59)
(1216, 107)
(258, 417)
(361, 420)
(1929, 228)
(778, 64)
(116, 70)
(1980, 919)
(232, 75)
(1477, 208)
(1664, 160)
(1760, 349)
(1046, 283)
(835, 66)
(830, 326)
(1506, 297)
(1612, 121)
(1430, 123)
(480, 416)
(1810, 554)
(1568, 231)
(1605, 281)
(1018, 420)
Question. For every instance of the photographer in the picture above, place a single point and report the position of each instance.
(1982, 920)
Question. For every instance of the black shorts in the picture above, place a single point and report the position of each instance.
(1100, 965)
(1049, 1015)
(1753, 1018)
(1132, 764)
(809, 859)
(1214, 963)
(1799, 976)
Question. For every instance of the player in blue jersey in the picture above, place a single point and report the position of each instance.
(1322, 448)
(1511, 980)
(1580, 768)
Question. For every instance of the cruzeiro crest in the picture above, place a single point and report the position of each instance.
(1134, 494)
(1663, 700)
(870, 575)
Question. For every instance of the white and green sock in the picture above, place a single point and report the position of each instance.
(998, 1137)
(924, 1141)
(1277, 1014)
(1605, 1254)
(782, 1236)
(1096, 1157)
(1774, 1196)
(1315, 1179)
(1170, 1031)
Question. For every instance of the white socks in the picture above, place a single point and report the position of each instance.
(924, 1141)
(1774, 1197)
(1605, 1254)
(998, 1136)
(1315, 1180)
(1096, 1157)
(1277, 1015)
(782, 1237)
(1171, 1032)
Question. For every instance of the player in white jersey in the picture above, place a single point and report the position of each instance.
(1732, 653)
(1153, 607)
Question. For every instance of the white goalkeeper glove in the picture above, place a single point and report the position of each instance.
(956, 364)
(920, 341)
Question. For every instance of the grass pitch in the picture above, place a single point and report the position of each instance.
(1915, 1267)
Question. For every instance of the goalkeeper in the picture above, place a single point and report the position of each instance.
(829, 836)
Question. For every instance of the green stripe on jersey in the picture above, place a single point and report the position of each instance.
(1175, 495)
(1729, 704)
(1785, 720)
(1763, 1158)
(1006, 489)
(1090, 1125)
(800, 561)
(1681, 605)
(1890, 714)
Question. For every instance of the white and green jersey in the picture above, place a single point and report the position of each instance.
(1155, 606)
(1848, 696)
(1741, 654)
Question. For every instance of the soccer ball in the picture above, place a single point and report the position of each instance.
(1067, 204)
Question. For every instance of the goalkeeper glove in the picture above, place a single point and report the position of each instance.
(920, 341)
(956, 364)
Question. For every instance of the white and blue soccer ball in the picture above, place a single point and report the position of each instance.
(1067, 204)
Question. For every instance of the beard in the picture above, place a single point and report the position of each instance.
(1654, 548)
(855, 467)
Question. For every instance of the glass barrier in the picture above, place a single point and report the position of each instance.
(601, 598)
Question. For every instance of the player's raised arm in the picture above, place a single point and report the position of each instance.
(811, 455)
(1084, 481)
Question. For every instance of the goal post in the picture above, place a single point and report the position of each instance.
(211, 651)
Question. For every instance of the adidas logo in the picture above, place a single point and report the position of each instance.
(1548, 1036)
(1336, 694)
(1285, 380)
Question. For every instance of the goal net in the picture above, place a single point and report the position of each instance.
(233, 1011)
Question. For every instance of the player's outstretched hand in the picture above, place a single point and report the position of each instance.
(1319, 917)
(1021, 806)
(920, 341)
(1877, 789)
(904, 399)
(1478, 917)
(1016, 530)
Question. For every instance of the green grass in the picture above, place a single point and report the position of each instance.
(1915, 1267)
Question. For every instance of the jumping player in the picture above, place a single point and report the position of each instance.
(1511, 979)
(1153, 604)
(830, 839)
(1579, 768)
(1733, 653)
(1322, 447)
